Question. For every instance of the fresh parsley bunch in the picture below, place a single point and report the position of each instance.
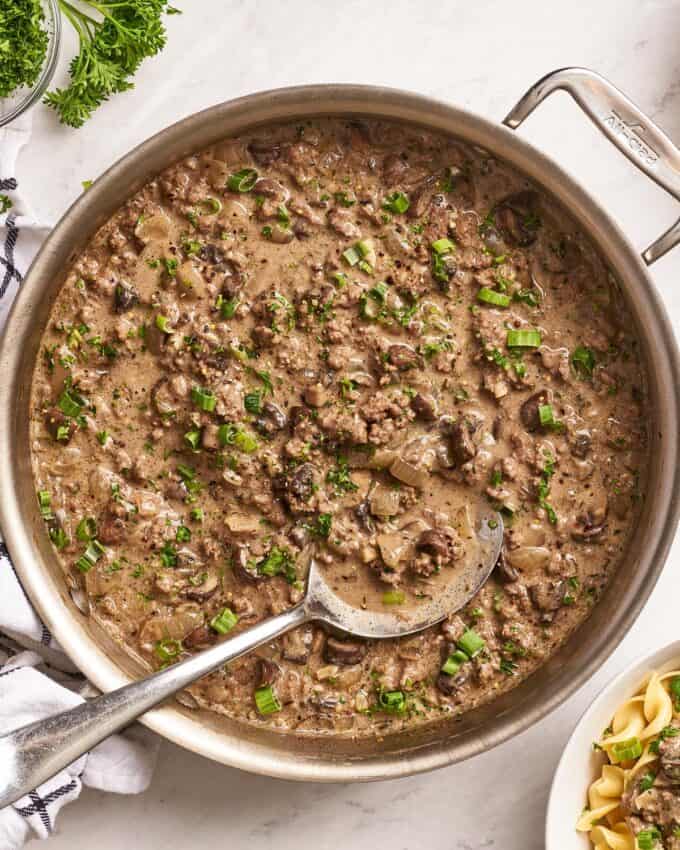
(115, 37)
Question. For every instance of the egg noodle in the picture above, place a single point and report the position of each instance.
(630, 745)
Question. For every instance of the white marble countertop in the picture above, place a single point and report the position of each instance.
(481, 55)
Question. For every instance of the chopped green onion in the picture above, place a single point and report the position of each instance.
(86, 529)
(452, 664)
(167, 649)
(490, 296)
(211, 206)
(627, 750)
(364, 247)
(245, 442)
(393, 597)
(58, 537)
(90, 556)
(266, 700)
(267, 231)
(253, 402)
(102, 437)
(162, 324)
(365, 267)
(183, 534)
(193, 437)
(243, 180)
(45, 503)
(203, 399)
(344, 199)
(674, 686)
(443, 246)
(224, 622)
(527, 296)
(196, 514)
(583, 361)
(523, 339)
(471, 643)
(396, 203)
(226, 434)
(283, 215)
(393, 702)
(351, 256)
(546, 415)
(341, 280)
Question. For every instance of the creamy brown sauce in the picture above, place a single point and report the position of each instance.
(382, 329)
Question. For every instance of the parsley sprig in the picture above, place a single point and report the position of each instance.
(112, 47)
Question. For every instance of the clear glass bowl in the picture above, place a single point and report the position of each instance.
(13, 106)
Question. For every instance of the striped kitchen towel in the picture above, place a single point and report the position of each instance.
(36, 677)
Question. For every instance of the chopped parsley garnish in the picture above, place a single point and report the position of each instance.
(544, 488)
(321, 527)
(226, 306)
(583, 362)
(340, 478)
(23, 45)
(278, 562)
(112, 46)
(168, 554)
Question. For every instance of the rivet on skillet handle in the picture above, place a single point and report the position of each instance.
(633, 133)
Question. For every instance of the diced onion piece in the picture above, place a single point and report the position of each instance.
(408, 473)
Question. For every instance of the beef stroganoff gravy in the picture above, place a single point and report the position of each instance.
(338, 338)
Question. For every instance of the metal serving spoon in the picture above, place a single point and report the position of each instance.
(36, 752)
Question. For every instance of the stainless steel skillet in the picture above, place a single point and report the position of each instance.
(299, 757)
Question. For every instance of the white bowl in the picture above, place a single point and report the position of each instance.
(580, 764)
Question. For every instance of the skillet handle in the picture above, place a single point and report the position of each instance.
(633, 133)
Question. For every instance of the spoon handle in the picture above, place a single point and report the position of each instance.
(33, 753)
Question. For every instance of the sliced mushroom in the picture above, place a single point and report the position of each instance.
(244, 567)
(59, 426)
(111, 530)
(403, 357)
(125, 296)
(587, 527)
(425, 407)
(296, 646)
(547, 596)
(503, 570)
(517, 218)
(529, 413)
(209, 582)
(448, 685)
(200, 638)
(461, 444)
(264, 151)
(581, 443)
(271, 419)
(268, 672)
(344, 652)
